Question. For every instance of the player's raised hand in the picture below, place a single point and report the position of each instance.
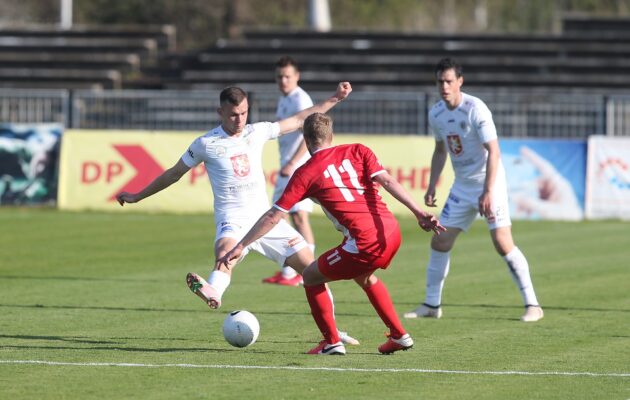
(485, 205)
(429, 223)
(124, 197)
(343, 90)
(429, 198)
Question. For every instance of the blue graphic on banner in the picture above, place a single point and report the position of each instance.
(28, 163)
(545, 178)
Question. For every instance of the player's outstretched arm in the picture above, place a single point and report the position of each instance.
(291, 165)
(438, 160)
(427, 221)
(492, 165)
(166, 179)
(264, 224)
(296, 121)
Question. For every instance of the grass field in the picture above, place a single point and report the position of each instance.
(94, 305)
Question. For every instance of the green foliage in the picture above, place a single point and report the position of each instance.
(98, 288)
(200, 23)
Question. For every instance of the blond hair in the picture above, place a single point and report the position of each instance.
(318, 129)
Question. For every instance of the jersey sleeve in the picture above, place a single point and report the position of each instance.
(195, 153)
(294, 192)
(304, 101)
(433, 128)
(372, 165)
(267, 130)
(481, 119)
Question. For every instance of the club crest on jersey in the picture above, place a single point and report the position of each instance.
(454, 144)
(240, 164)
(219, 151)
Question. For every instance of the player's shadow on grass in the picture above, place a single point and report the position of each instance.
(117, 347)
(103, 308)
(114, 343)
(72, 339)
(545, 307)
(166, 310)
(81, 278)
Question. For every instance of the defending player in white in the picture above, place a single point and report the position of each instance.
(464, 130)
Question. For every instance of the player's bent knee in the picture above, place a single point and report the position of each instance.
(366, 280)
(502, 240)
(301, 260)
(312, 276)
(444, 242)
(441, 245)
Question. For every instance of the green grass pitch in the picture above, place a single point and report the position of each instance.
(100, 299)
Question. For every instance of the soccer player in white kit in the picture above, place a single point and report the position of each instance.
(464, 130)
(232, 154)
(293, 154)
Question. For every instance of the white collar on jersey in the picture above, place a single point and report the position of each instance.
(322, 148)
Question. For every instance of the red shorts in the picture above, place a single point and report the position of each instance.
(337, 264)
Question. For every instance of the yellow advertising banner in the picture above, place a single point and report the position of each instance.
(96, 165)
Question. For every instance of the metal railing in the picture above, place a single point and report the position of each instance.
(141, 109)
(516, 113)
(618, 116)
(34, 105)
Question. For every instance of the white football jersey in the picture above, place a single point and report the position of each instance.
(464, 131)
(289, 105)
(234, 167)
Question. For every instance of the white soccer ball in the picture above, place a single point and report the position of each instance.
(240, 328)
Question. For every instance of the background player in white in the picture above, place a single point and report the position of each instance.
(293, 154)
(232, 155)
(464, 129)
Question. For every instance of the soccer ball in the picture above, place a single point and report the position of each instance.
(240, 328)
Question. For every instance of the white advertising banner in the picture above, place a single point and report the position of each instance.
(608, 178)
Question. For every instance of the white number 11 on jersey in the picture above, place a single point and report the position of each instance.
(346, 167)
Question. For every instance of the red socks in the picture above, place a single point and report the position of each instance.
(382, 303)
(322, 311)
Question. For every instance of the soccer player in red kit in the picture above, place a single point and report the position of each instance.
(343, 180)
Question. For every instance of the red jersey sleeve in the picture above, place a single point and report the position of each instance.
(293, 193)
(372, 165)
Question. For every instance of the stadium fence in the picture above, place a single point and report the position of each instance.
(516, 113)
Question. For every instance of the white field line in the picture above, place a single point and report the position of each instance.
(272, 367)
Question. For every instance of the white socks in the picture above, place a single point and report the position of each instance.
(438, 267)
(332, 300)
(288, 272)
(220, 281)
(519, 269)
(437, 270)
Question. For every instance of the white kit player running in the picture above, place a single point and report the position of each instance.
(232, 154)
(293, 154)
(464, 130)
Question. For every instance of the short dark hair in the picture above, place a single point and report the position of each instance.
(232, 95)
(286, 61)
(448, 63)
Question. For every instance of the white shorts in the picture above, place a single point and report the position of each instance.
(462, 207)
(281, 242)
(281, 184)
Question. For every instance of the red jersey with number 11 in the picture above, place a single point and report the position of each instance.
(339, 178)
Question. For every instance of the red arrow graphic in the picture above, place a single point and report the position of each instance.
(146, 168)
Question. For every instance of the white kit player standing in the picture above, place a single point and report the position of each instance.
(293, 154)
(464, 130)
